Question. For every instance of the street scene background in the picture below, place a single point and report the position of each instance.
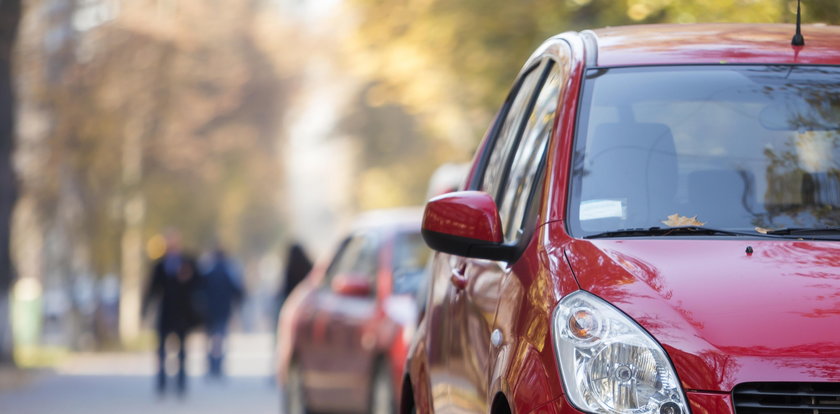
(242, 124)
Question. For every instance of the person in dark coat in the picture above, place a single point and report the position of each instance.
(174, 284)
(298, 266)
(222, 285)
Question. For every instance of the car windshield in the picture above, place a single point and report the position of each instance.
(410, 257)
(745, 148)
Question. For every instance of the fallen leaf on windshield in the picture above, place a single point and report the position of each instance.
(676, 220)
(762, 230)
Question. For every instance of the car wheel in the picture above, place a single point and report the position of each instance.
(382, 399)
(294, 401)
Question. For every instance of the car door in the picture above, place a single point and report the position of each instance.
(474, 283)
(341, 355)
(512, 175)
(450, 367)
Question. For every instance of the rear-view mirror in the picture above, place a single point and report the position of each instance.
(465, 223)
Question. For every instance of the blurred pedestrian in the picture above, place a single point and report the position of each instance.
(298, 266)
(174, 283)
(222, 287)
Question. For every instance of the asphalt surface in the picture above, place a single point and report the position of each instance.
(123, 383)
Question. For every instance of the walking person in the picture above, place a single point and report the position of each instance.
(298, 266)
(174, 284)
(222, 287)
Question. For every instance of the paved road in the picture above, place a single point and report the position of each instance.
(122, 383)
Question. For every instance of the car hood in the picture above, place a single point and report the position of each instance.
(725, 316)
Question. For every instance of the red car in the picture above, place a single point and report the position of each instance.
(344, 331)
(651, 225)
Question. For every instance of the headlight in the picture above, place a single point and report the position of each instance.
(609, 364)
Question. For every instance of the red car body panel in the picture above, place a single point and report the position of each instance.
(779, 323)
(715, 44)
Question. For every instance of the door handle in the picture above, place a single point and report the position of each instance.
(457, 277)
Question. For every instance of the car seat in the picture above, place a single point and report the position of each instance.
(721, 197)
(635, 163)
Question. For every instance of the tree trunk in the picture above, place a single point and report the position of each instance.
(134, 207)
(10, 13)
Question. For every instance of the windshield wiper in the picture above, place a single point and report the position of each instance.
(805, 231)
(670, 231)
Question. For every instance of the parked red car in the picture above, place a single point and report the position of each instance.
(651, 225)
(344, 331)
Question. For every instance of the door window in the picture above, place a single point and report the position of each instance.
(516, 193)
(409, 263)
(506, 140)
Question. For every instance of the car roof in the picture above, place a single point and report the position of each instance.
(669, 44)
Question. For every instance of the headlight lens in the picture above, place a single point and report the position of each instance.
(611, 365)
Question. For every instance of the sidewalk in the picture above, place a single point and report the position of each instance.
(94, 383)
(249, 355)
(13, 378)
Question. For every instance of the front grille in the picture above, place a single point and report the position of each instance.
(787, 398)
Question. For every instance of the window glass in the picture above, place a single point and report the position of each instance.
(409, 263)
(507, 139)
(529, 155)
(358, 255)
(733, 147)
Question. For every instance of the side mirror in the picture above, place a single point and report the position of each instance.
(349, 284)
(465, 223)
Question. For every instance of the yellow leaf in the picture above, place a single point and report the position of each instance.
(676, 220)
(762, 230)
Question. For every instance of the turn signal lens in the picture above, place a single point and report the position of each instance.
(583, 324)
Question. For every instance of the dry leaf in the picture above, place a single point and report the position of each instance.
(762, 230)
(676, 220)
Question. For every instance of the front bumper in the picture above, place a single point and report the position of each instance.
(700, 402)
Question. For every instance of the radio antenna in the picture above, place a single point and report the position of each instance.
(798, 39)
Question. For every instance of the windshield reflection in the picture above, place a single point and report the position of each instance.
(745, 148)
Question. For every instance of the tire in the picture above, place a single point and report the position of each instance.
(382, 399)
(410, 407)
(294, 398)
